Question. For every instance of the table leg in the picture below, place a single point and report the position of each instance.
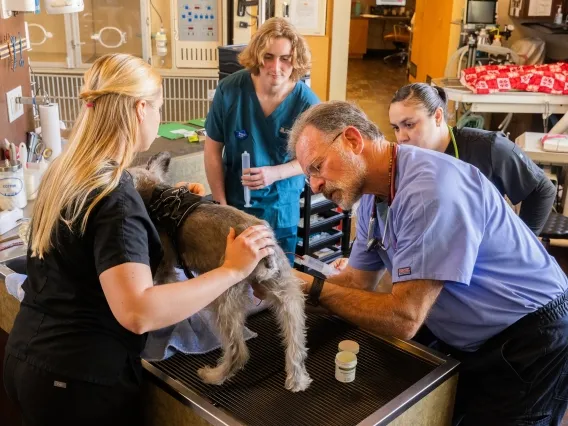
(564, 190)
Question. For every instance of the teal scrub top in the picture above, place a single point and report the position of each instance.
(236, 120)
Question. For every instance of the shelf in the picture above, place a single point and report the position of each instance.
(319, 207)
(323, 242)
(332, 218)
(330, 257)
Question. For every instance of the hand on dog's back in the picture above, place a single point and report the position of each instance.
(193, 187)
(245, 251)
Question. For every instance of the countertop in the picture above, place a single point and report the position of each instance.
(177, 148)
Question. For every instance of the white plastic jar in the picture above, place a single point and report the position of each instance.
(345, 365)
(12, 189)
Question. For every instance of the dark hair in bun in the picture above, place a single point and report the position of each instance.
(428, 97)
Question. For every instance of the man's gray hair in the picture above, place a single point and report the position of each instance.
(331, 118)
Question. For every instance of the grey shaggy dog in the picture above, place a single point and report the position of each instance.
(201, 242)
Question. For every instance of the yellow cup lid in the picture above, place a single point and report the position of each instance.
(349, 346)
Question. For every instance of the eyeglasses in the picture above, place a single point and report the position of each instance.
(314, 168)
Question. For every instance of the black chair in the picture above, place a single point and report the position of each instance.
(556, 227)
(400, 37)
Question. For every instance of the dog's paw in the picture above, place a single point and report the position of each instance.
(297, 383)
(212, 376)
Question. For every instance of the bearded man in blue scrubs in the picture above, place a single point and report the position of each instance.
(461, 262)
(253, 110)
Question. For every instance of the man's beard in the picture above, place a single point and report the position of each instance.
(347, 192)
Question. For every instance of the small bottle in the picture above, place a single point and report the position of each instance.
(558, 16)
(496, 41)
(345, 365)
(482, 38)
(161, 42)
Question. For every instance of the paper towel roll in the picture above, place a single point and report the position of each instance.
(50, 130)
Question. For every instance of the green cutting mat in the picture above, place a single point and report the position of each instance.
(197, 122)
(174, 131)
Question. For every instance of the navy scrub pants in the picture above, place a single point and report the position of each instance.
(518, 377)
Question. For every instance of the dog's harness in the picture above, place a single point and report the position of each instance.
(168, 209)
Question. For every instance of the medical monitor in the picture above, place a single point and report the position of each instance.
(481, 12)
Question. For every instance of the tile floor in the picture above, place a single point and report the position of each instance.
(371, 84)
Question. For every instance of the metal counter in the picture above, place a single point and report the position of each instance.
(14, 256)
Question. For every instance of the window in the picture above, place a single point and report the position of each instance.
(77, 40)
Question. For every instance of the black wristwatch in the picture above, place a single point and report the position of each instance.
(315, 291)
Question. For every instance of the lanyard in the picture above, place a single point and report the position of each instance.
(373, 242)
(456, 153)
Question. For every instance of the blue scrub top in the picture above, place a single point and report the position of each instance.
(236, 119)
(449, 223)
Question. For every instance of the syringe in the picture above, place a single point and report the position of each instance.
(245, 160)
(317, 265)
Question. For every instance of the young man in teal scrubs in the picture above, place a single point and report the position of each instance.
(253, 110)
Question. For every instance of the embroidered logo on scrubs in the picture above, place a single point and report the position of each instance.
(241, 134)
(404, 271)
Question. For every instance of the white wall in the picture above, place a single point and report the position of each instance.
(339, 51)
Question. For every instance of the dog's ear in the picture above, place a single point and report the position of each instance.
(159, 164)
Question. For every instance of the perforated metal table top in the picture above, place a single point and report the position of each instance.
(391, 376)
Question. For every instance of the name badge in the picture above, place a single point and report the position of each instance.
(241, 134)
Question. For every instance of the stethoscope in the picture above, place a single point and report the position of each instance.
(373, 242)
(456, 153)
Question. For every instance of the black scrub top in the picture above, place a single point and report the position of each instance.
(511, 171)
(65, 324)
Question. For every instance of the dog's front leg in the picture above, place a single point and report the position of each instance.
(230, 311)
(166, 272)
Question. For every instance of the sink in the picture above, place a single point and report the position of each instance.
(14, 264)
(17, 265)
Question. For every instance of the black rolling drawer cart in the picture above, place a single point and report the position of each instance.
(336, 244)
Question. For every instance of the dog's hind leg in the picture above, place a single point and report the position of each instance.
(287, 302)
(230, 311)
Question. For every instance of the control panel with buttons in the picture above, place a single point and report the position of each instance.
(198, 20)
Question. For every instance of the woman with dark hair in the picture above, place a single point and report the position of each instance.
(418, 115)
